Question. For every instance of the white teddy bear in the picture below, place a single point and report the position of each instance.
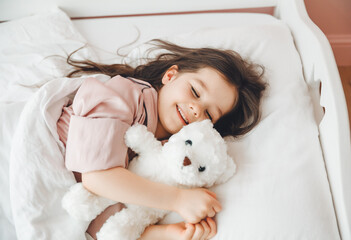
(196, 156)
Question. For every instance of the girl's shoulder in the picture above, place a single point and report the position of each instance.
(129, 82)
(118, 86)
(117, 93)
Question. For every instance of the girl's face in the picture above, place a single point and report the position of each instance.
(190, 97)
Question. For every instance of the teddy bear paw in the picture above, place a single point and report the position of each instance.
(137, 135)
(82, 204)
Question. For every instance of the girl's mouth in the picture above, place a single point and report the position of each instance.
(182, 116)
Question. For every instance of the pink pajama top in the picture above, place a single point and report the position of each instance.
(93, 127)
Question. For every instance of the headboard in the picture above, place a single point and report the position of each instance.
(12, 9)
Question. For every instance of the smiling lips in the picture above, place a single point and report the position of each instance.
(182, 116)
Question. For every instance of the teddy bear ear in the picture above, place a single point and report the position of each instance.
(228, 172)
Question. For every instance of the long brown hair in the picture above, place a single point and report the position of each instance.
(244, 75)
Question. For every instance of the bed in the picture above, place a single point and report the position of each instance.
(294, 169)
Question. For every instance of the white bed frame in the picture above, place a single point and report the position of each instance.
(319, 67)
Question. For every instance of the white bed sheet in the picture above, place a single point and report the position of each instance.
(280, 190)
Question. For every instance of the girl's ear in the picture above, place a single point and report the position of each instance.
(170, 74)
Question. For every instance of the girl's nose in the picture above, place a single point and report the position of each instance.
(196, 110)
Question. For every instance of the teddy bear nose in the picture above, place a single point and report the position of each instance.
(186, 161)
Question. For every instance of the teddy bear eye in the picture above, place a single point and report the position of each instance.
(188, 142)
(201, 169)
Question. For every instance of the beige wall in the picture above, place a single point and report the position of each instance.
(333, 17)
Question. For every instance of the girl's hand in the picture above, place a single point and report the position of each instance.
(203, 230)
(196, 204)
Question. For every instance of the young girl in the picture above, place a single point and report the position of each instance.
(181, 86)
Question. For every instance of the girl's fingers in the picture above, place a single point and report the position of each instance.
(211, 213)
(189, 231)
(213, 228)
(211, 193)
(198, 232)
(206, 231)
(216, 204)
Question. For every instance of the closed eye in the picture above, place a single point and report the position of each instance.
(194, 92)
(209, 116)
(197, 95)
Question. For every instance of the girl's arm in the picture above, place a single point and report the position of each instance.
(121, 185)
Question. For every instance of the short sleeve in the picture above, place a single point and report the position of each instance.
(102, 113)
(96, 144)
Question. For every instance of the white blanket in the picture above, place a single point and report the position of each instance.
(38, 177)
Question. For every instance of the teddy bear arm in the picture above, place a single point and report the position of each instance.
(130, 223)
(140, 140)
(82, 204)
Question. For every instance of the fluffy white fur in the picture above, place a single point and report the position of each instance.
(199, 142)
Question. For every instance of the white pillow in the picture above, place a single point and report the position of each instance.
(281, 189)
(29, 50)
